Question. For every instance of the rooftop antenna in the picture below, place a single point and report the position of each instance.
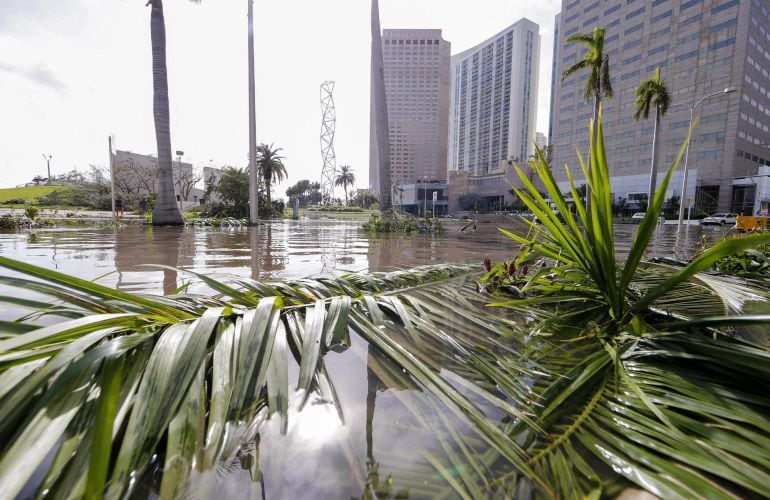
(328, 124)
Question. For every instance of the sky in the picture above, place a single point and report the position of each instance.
(73, 72)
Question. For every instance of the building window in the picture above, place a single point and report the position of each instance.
(660, 17)
(686, 55)
(635, 13)
(724, 6)
(723, 43)
(690, 3)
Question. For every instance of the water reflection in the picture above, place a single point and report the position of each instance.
(283, 250)
(167, 246)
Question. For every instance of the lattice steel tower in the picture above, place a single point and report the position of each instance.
(328, 124)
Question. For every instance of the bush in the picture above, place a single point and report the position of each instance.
(14, 201)
(8, 221)
(32, 212)
(381, 224)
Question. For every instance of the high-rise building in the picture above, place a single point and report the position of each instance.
(494, 100)
(703, 47)
(416, 74)
(493, 111)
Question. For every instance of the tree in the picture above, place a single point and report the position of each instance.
(186, 179)
(233, 191)
(346, 177)
(653, 92)
(598, 85)
(166, 212)
(306, 192)
(270, 165)
(366, 199)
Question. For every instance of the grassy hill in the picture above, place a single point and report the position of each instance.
(28, 193)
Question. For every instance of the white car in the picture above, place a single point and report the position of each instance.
(720, 219)
(637, 217)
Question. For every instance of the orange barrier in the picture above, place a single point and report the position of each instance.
(750, 223)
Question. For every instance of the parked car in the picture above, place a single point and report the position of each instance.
(720, 219)
(637, 217)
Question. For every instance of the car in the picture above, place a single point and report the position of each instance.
(721, 218)
(637, 217)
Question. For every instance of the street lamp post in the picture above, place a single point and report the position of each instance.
(424, 195)
(48, 163)
(692, 108)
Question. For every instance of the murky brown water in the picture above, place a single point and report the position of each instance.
(119, 257)
(292, 249)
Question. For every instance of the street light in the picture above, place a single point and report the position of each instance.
(692, 108)
(424, 195)
(48, 162)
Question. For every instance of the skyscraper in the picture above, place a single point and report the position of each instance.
(416, 76)
(702, 47)
(494, 100)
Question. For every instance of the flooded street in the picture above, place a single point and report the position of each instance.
(119, 257)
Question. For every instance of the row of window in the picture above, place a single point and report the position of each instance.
(759, 47)
(757, 86)
(754, 122)
(684, 6)
(750, 138)
(410, 42)
(756, 159)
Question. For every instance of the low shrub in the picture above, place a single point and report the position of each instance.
(13, 201)
(392, 224)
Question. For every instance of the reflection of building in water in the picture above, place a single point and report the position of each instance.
(167, 246)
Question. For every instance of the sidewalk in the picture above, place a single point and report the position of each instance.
(71, 214)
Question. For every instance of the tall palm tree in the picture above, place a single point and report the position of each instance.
(345, 178)
(653, 92)
(271, 167)
(598, 85)
(166, 212)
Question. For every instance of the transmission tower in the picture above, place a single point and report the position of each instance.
(328, 123)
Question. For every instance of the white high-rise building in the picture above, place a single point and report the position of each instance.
(493, 103)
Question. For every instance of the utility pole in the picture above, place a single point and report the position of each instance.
(253, 180)
(48, 162)
(112, 177)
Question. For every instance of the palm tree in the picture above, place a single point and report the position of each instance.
(270, 165)
(166, 212)
(598, 85)
(346, 177)
(653, 92)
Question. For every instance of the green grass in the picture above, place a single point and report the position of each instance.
(28, 193)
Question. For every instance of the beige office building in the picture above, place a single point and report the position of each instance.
(416, 73)
(702, 47)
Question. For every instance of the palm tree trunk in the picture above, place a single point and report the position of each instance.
(166, 211)
(345, 187)
(597, 103)
(382, 130)
(268, 196)
(654, 166)
(253, 179)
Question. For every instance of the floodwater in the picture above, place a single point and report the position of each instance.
(122, 257)
(387, 431)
